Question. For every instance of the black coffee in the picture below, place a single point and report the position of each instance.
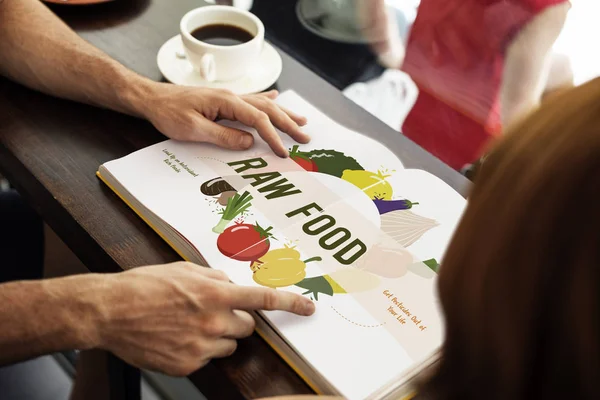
(222, 34)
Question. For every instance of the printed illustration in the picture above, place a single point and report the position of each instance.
(353, 280)
(236, 206)
(280, 268)
(386, 206)
(328, 162)
(218, 187)
(406, 227)
(372, 184)
(303, 159)
(284, 267)
(244, 242)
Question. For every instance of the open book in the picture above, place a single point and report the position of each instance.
(340, 221)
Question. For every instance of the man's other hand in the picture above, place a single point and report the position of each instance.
(175, 318)
(189, 114)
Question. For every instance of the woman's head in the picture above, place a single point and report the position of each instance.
(520, 283)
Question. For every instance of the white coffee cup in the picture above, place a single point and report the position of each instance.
(222, 63)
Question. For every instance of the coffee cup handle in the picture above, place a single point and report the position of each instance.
(208, 67)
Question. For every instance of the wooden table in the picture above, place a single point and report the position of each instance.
(50, 150)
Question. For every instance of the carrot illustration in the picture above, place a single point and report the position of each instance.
(302, 159)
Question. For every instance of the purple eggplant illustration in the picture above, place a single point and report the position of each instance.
(386, 206)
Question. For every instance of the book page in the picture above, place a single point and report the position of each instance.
(341, 221)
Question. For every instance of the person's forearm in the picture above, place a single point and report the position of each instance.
(527, 64)
(38, 50)
(41, 317)
(379, 27)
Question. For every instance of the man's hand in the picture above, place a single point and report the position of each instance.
(185, 113)
(92, 77)
(176, 318)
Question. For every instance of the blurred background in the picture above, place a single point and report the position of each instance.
(324, 35)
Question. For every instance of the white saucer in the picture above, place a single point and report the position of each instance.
(314, 20)
(176, 69)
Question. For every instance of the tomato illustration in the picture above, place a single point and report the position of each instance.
(280, 268)
(303, 160)
(244, 242)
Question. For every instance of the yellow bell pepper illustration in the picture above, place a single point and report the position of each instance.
(372, 184)
(280, 268)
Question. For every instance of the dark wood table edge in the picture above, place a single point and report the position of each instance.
(42, 201)
(124, 380)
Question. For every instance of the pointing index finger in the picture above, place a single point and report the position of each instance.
(257, 298)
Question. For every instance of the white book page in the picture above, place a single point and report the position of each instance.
(363, 333)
